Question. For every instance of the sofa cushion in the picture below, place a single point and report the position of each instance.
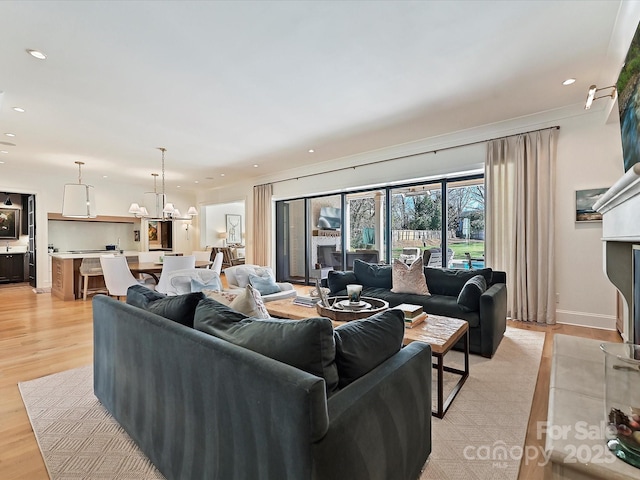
(337, 281)
(409, 278)
(305, 344)
(179, 308)
(248, 301)
(432, 304)
(264, 283)
(372, 274)
(362, 345)
(141, 296)
(446, 281)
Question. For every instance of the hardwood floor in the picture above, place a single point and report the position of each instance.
(40, 335)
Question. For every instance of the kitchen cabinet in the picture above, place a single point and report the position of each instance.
(12, 267)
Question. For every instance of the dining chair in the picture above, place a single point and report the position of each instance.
(117, 276)
(148, 257)
(217, 263)
(170, 264)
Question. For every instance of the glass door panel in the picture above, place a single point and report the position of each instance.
(465, 224)
(325, 225)
(290, 241)
(416, 221)
(365, 227)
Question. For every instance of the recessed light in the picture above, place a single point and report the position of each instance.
(178, 186)
(1, 161)
(255, 165)
(222, 174)
(3, 151)
(36, 54)
(196, 181)
(18, 109)
(311, 150)
(10, 134)
(569, 81)
(105, 176)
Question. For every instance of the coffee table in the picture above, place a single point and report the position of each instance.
(442, 333)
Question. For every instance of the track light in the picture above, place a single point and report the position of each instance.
(591, 96)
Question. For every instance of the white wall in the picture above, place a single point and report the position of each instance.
(214, 222)
(589, 156)
(111, 199)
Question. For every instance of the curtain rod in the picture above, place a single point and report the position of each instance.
(435, 151)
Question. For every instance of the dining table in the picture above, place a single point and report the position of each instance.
(155, 268)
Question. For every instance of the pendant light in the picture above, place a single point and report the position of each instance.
(168, 210)
(79, 199)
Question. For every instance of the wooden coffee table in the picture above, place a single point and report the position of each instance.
(442, 333)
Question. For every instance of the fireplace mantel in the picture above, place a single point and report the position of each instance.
(620, 208)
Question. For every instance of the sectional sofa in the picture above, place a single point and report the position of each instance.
(225, 401)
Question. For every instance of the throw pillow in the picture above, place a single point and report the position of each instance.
(242, 274)
(469, 298)
(198, 286)
(372, 274)
(265, 284)
(305, 344)
(362, 345)
(220, 296)
(179, 308)
(409, 278)
(140, 296)
(446, 281)
(249, 301)
(338, 281)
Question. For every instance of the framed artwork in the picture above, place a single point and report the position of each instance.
(234, 229)
(9, 223)
(154, 237)
(585, 199)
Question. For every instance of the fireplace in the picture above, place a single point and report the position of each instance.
(620, 208)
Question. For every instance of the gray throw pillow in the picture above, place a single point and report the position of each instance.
(265, 284)
(469, 298)
(362, 345)
(305, 344)
(372, 274)
(337, 281)
(141, 296)
(179, 308)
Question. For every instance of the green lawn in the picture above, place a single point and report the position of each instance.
(474, 247)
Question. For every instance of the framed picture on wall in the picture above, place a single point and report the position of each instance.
(234, 229)
(585, 199)
(9, 224)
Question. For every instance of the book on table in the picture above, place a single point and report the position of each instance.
(305, 301)
(410, 310)
(417, 320)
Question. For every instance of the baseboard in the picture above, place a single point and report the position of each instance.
(42, 290)
(585, 319)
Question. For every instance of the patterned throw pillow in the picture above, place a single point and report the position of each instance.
(248, 302)
(409, 278)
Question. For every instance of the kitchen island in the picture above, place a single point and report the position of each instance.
(66, 281)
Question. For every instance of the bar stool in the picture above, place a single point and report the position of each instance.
(90, 267)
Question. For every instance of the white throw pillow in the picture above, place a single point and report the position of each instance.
(249, 301)
(242, 274)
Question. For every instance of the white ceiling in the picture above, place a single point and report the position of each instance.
(226, 85)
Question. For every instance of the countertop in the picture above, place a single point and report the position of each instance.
(91, 254)
(13, 250)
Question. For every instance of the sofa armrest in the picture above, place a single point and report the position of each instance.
(382, 419)
(284, 286)
(493, 318)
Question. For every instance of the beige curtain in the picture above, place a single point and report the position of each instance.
(262, 224)
(520, 196)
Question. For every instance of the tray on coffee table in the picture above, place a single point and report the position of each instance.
(341, 311)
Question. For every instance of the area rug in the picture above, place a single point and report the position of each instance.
(80, 440)
(482, 434)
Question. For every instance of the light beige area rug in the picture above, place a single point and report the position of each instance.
(80, 440)
(482, 434)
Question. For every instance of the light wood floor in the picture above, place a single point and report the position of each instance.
(40, 335)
